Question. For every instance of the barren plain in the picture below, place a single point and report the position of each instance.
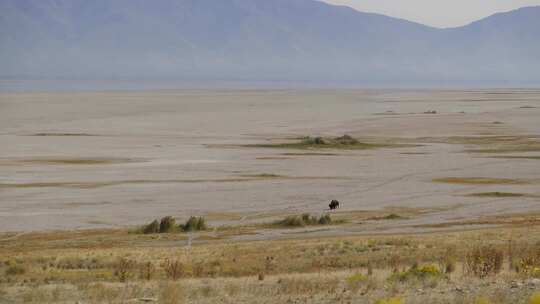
(115, 159)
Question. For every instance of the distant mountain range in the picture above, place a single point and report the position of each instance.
(259, 40)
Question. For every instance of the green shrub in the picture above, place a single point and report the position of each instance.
(393, 216)
(325, 220)
(292, 221)
(305, 220)
(313, 141)
(153, 227)
(167, 224)
(195, 223)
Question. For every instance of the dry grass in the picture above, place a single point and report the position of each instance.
(484, 261)
(86, 266)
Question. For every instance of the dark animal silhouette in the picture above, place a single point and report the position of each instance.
(334, 204)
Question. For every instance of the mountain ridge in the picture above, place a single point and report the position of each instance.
(248, 40)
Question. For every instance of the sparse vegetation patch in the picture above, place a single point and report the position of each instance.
(484, 261)
(305, 219)
(194, 224)
(497, 194)
(480, 181)
(416, 272)
(168, 225)
(345, 142)
(391, 216)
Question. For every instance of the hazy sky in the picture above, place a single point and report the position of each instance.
(439, 13)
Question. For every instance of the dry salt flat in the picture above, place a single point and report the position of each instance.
(113, 159)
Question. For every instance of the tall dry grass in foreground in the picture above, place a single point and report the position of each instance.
(462, 267)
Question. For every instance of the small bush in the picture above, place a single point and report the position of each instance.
(393, 216)
(447, 264)
(174, 270)
(313, 141)
(529, 263)
(417, 273)
(293, 221)
(305, 220)
(355, 281)
(15, 270)
(308, 219)
(346, 140)
(124, 269)
(484, 261)
(153, 227)
(195, 224)
(147, 271)
(325, 220)
(167, 224)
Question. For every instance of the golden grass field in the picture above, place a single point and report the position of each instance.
(121, 266)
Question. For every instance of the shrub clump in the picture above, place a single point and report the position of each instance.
(484, 261)
(124, 269)
(346, 140)
(417, 273)
(195, 223)
(308, 140)
(15, 270)
(529, 264)
(305, 219)
(168, 224)
(153, 227)
(174, 270)
(355, 281)
(393, 216)
(325, 220)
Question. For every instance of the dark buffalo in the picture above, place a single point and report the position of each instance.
(334, 204)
